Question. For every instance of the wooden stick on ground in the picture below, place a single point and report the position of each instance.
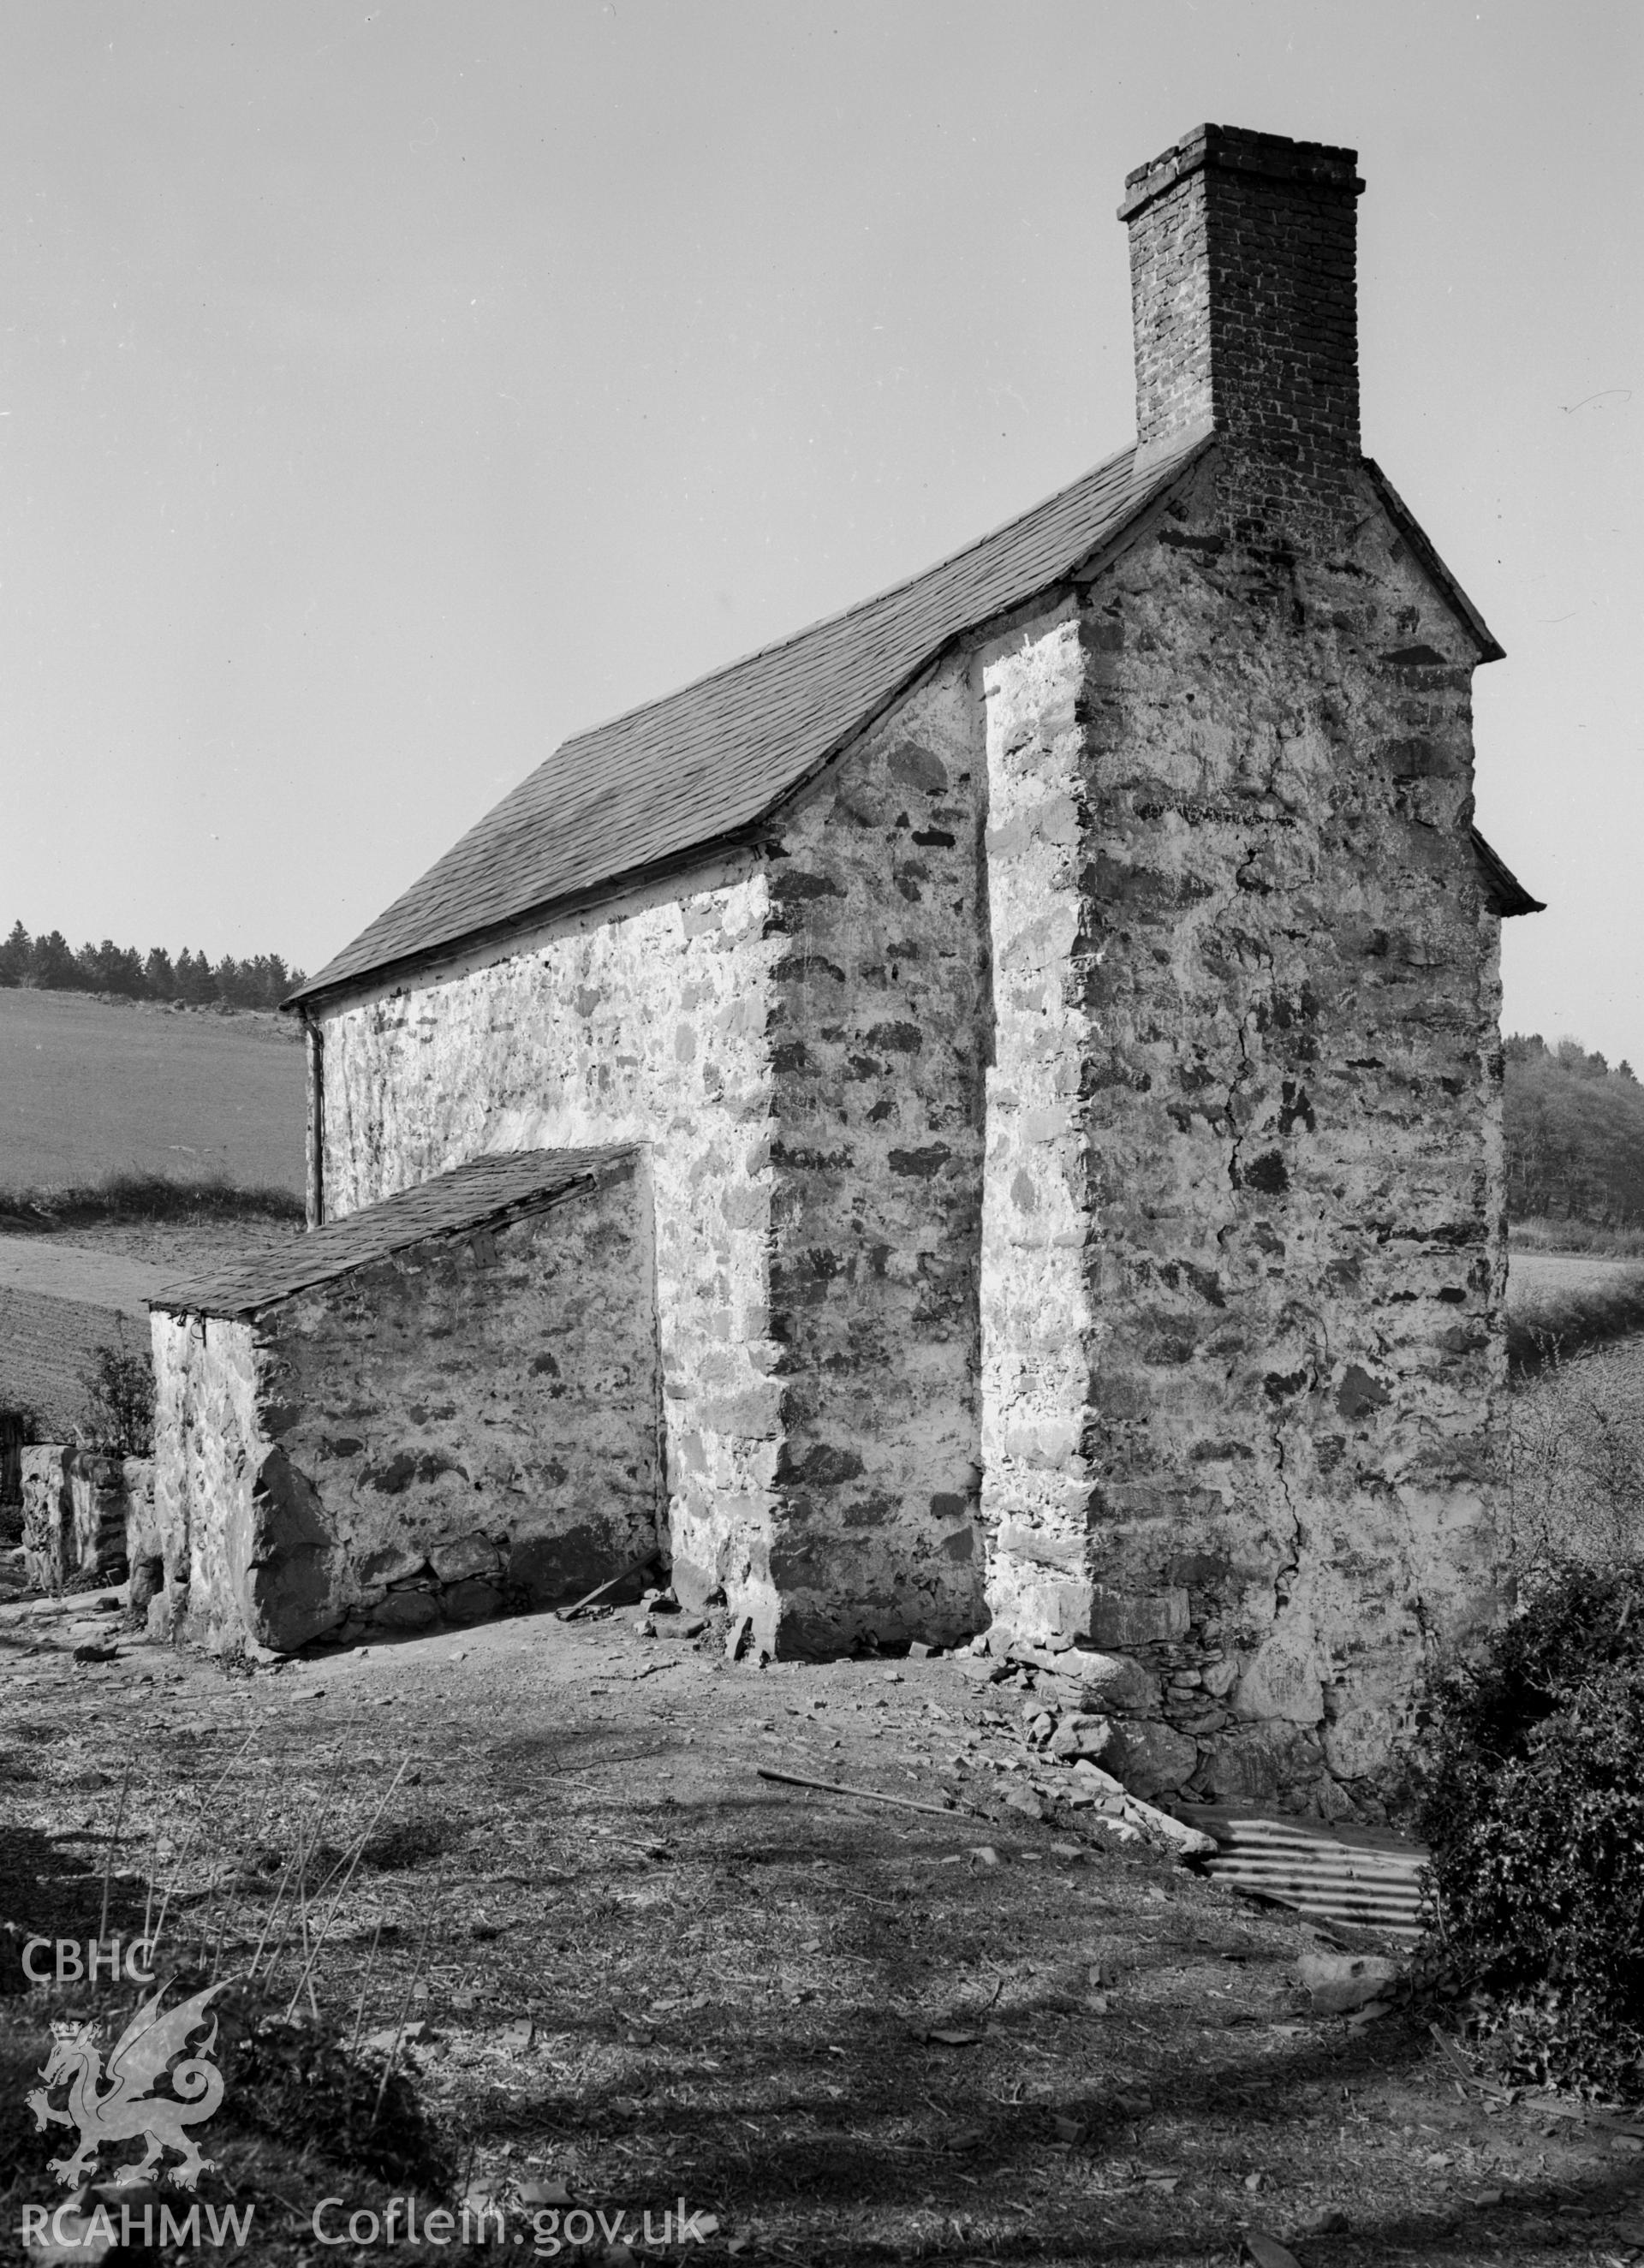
(365, 1986)
(189, 1840)
(410, 1990)
(108, 1855)
(869, 1795)
(634, 1567)
(331, 1912)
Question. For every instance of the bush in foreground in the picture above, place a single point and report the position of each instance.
(1534, 1811)
(1571, 1459)
(119, 1412)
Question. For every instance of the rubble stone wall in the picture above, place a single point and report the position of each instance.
(1243, 1237)
(76, 1509)
(469, 1423)
(209, 1449)
(798, 1046)
(50, 1555)
(880, 1029)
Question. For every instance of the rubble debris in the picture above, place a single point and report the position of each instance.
(1266, 2252)
(1338, 1982)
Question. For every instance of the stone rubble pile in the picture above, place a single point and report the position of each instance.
(1075, 1755)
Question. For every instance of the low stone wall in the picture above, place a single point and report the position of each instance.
(80, 1508)
(468, 1424)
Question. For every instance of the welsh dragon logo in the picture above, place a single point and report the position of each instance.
(130, 2107)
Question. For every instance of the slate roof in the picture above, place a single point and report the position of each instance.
(705, 766)
(487, 1191)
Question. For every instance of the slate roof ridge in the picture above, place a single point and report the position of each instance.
(500, 1187)
(843, 614)
(653, 791)
(744, 767)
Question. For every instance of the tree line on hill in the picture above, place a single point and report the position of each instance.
(1574, 1131)
(49, 964)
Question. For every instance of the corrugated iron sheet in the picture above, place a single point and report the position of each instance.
(1370, 1881)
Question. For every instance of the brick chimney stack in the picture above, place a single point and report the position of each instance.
(1243, 290)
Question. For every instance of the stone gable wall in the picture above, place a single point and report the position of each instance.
(1243, 1239)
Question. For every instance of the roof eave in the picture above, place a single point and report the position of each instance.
(1506, 896)
(1411, 528)
(380, 976)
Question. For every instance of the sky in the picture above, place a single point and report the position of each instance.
(388, 392)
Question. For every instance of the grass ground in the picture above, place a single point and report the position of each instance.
(1565, 1236)
(89, 1086)
(641, 1973)
(1558, 1303)
(1571, 1450)
(46, 1345)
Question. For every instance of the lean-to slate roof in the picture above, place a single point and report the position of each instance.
(486, 1192)
(705, 765)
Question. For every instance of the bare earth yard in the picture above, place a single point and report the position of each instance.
(635, 1972)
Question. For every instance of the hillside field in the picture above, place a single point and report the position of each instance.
(90, 1087)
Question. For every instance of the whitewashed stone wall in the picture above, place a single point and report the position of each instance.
(209, 1447)
(646, 1024)
(798, 1046)
(77, 1507)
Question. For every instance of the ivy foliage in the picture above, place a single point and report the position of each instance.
(1533, 1809)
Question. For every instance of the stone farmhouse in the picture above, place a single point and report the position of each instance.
(983, 1115)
